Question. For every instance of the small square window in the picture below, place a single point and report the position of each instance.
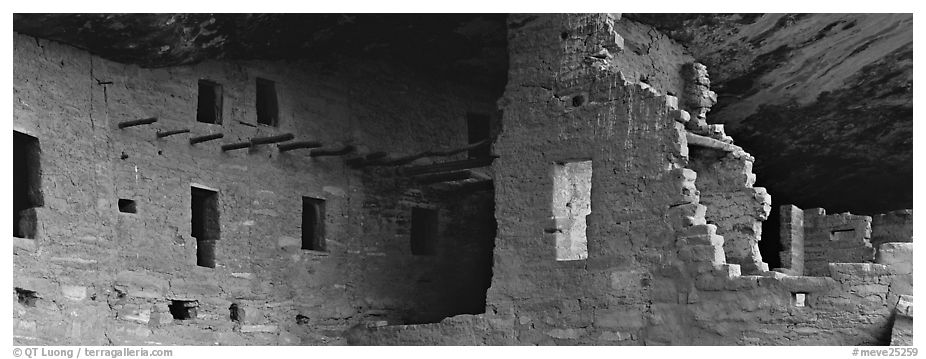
(127, 206)
(183, 309)
(26, 297)
(800, 299)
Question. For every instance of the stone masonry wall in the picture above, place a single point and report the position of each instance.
(835, 238)
(895, 226)
(792, 239)
(99, 276)
(656, 272)
(725, 181)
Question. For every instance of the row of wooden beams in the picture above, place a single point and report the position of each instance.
(383, 158)
(258, 141)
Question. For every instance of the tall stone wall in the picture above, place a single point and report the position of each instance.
(657, 271)
(725, 181)
(895, 226)
(91, 274)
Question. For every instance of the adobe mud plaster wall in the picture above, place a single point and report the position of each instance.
(656, 271)
(671, 216)
(86, 273)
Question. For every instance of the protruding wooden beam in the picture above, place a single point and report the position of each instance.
(449, 166)
(408, 159)
(271, 139)
(171, 133)
(198, 139)
(444, 177)
(704, 141)
(144, 121)
(297, 145)
(236, 146)
(339, 152)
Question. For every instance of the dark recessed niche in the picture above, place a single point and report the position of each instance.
(235, 313)
(578, 100)
(313, 224)
(183, 309)
(564, 35)
(25, 297)
(842, 234)
(127, 206)
(209, 105)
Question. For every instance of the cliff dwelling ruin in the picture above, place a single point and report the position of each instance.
(462, 179)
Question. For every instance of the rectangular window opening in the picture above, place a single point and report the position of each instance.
(27, 178)
(313, 224)
(267, 111)
(209, 105)
(26, 297)
(183, 309)
(572, 192)
(127, 206)
(204, 224)
(799, 299)
(478, 128)
(842, 234)
(424, 232)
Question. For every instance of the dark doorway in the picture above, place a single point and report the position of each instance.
(313, 224)
(27, 178)
(267, 112)
(204, 225)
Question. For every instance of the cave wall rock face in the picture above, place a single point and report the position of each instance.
(823, 101)
(471, 47)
